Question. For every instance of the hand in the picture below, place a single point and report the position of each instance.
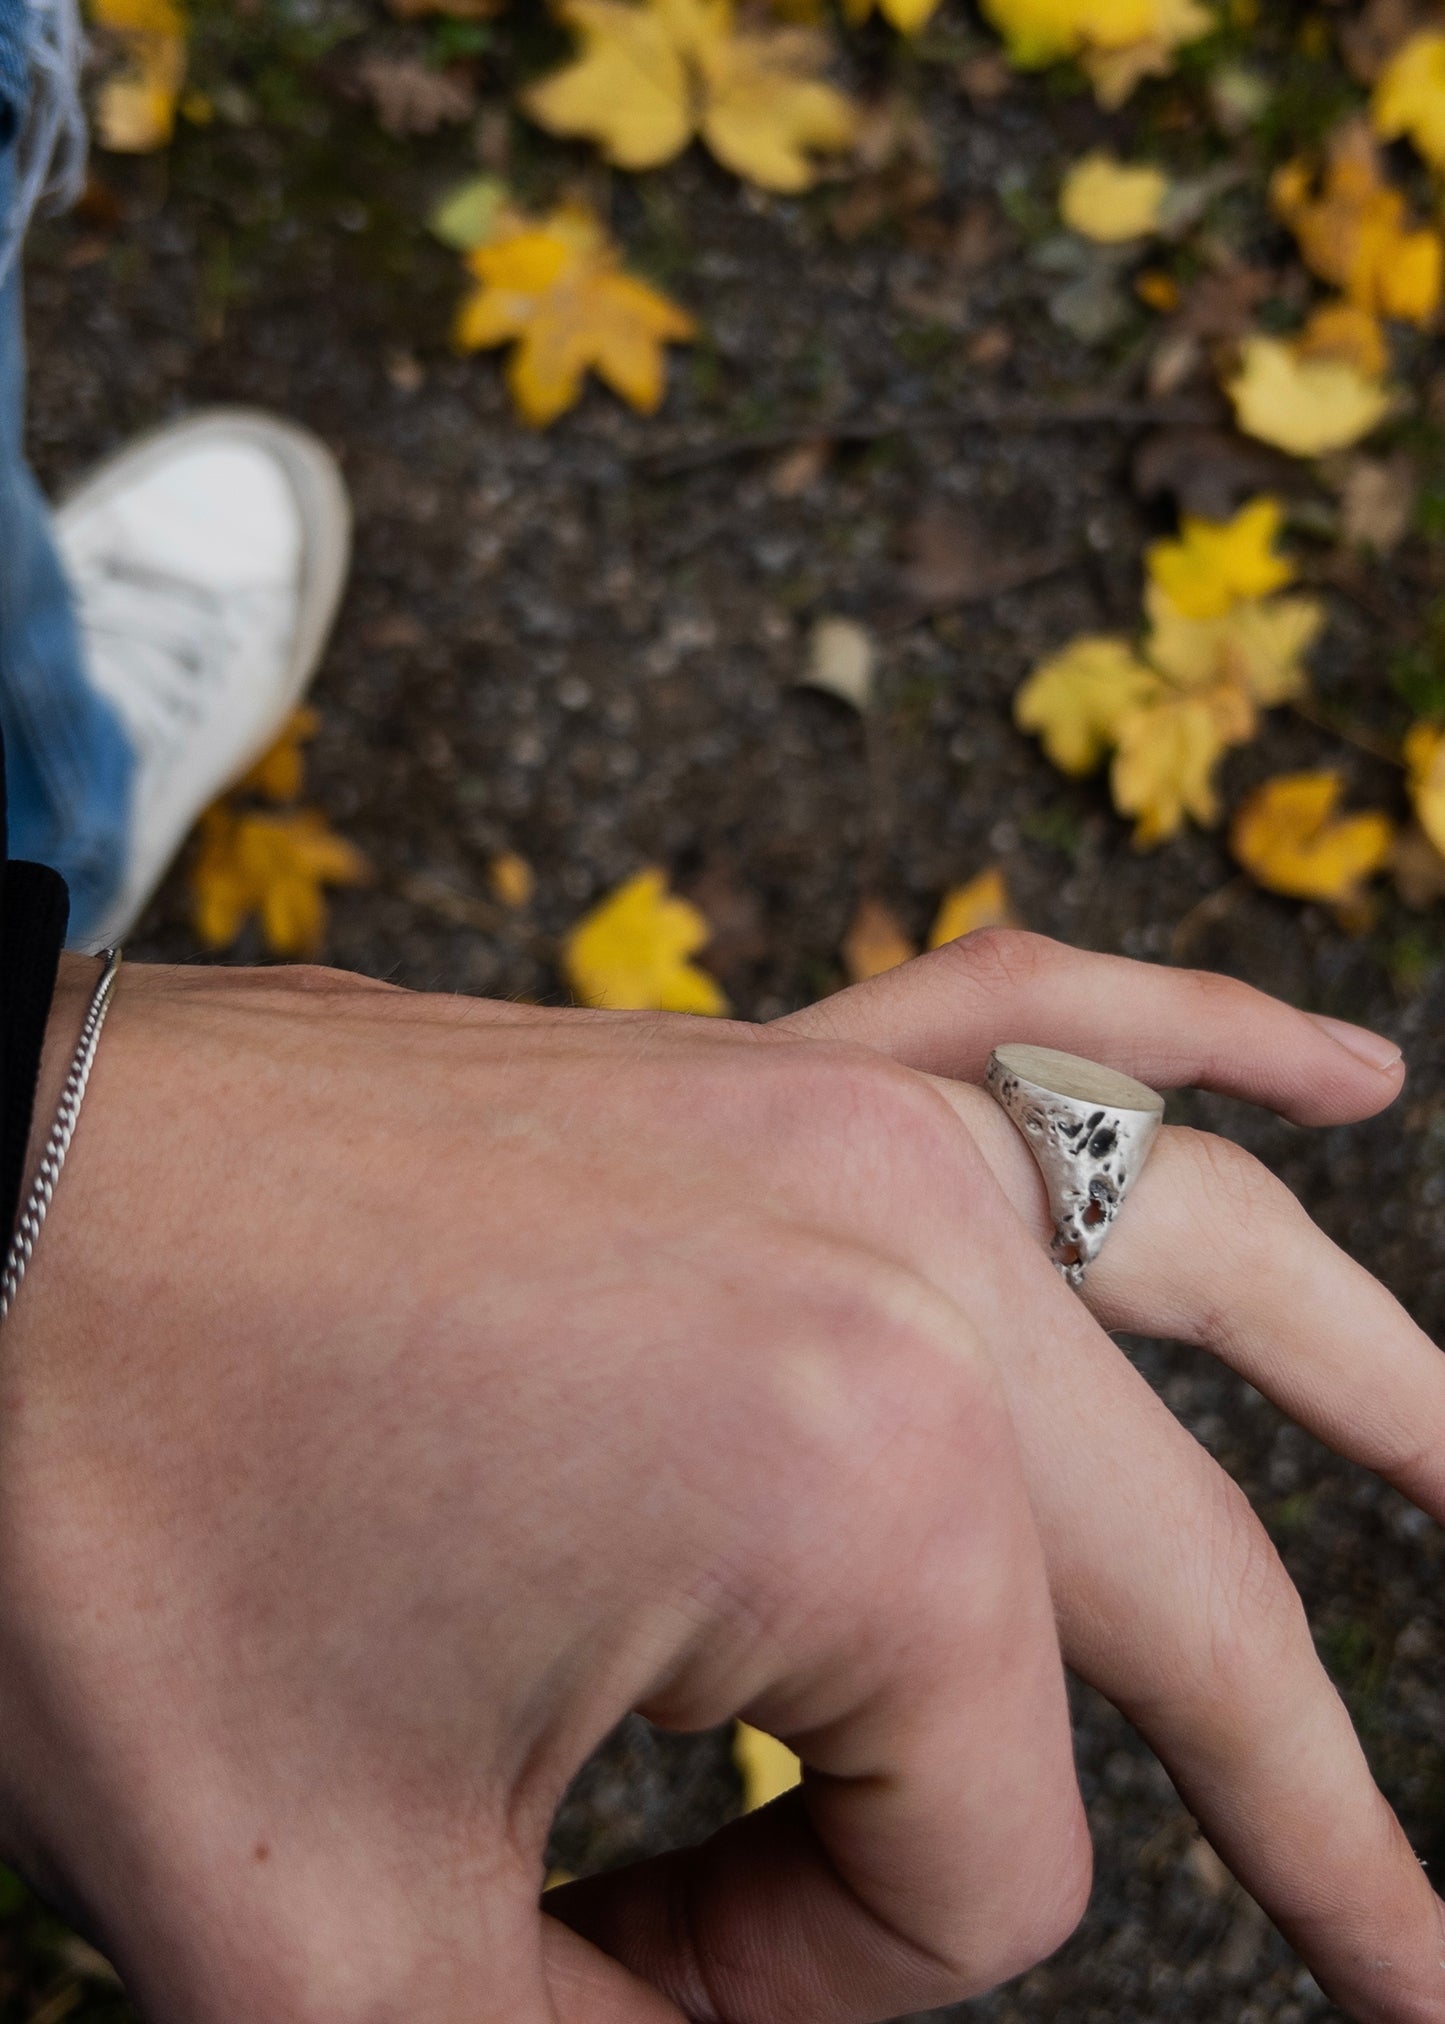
(359, 1372)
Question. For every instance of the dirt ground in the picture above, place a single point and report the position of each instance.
(570, 646)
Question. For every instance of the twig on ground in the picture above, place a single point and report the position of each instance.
(1020, 416)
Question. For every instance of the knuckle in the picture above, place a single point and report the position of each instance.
(1252, 1623)
(1245, 1204)
(855, 1099)
(1002, 960)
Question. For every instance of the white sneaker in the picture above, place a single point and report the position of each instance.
(207, 561)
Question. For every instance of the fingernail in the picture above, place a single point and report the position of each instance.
(1358, 1040)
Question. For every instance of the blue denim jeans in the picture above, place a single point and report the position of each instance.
(68, 765)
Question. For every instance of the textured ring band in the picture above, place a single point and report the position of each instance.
(1089, 1128)
(37, 1202)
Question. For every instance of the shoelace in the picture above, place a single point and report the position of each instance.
(168, 642)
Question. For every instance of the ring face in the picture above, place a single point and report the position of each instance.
(1089, 1128)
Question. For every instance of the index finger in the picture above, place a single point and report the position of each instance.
(944, 1012)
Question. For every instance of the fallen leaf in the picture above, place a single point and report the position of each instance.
(768, 1768)
(1289, 838)
(411, 97)
(469, 215)
(135, 110)
(275, 867)
(907, 15)
(874, 943)
(1417, 868)
(511, 879)
(1372, 34)
(953, 556)
(982, 903)
(798, 470)
(1409, 96)
(841, 657)
(653, 75)
(1165, 756)
(631, 952)
(985, 77)
(1306, 406)
(1112, 201)
(1424, 754)
(1209, 473)
(1377, 501)
(1213, 565)
(555, 1878)
(1258, 645)
(557, 286)
(1077, 699)
(278, 775)
(1345, 332)
(738, 937)
(1352, 230)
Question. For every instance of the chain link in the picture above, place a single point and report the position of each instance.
(37, 1202)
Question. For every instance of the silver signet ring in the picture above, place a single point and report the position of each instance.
(1090, 1129)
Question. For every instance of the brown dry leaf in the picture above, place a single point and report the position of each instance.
(798, 470)
(874, 943)
(1370, 37)
(1417, 868)
(411, 97)
(952, 557)
(1209, 473)
(982, 903)
(1291, 839)
(1377, 501)
(738, 933)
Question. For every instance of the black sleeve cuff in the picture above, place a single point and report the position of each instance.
(33, 916)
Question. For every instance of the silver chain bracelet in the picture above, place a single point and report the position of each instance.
(37, 1202)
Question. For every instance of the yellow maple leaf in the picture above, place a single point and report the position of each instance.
(1118, 42)
(630, 954)
(655, 74)
(1258, 644)
(135, 110)
(1112, 201)
(769, 1768)
(275, 867)
(1352, 230)
(1409, 96)
(1076, 699)
(1213, 564)
(875, 942)
(1304, 405)
(906, 15)
(1166, 753)
(558, 288)
(1425, 766)
(1290, 840)
(1342, 330)
(982, 903)
(279, 773)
